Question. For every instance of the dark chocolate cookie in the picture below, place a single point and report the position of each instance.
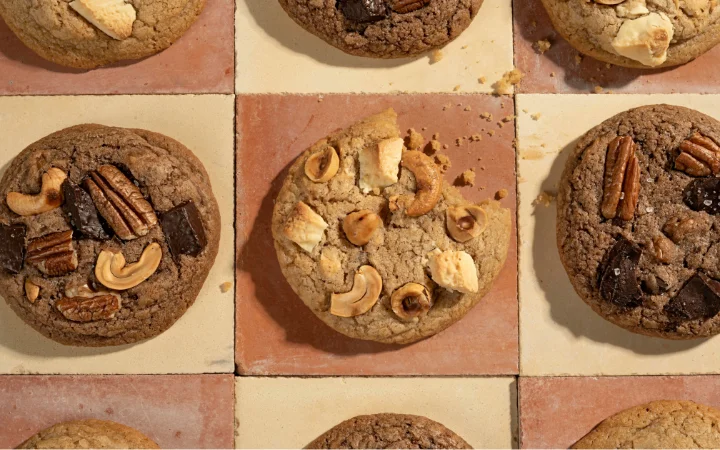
(107, 234)
(638, 221)
(384, 28)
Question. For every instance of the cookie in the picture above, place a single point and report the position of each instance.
(659, 424)
(89, 433)
(389, 431)
(639, 34)
(637, 225)
(384, 28)
(108, 234)
(379, 252)
(86, 34)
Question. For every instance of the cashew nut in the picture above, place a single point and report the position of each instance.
(112, 271)
(49, 198)
(363, 296)
(360, 226)
(32, 290)
(465, 222)
(411, 301)
(428, 182)
(323, 165)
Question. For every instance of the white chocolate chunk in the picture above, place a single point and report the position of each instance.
(455, 271)
(380, 164)
(632, 9)
(645, 39)
(113, 17)
(305, 227)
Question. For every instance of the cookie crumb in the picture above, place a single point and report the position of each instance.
(476, 137)
(436, 56)
(504, 86)
(552, 74)
(525, 110)
(414, 140)
(226, 286)
(509, 118)
(459, 142)
(598, 89)
(487, 116)
(535, 116)
(321, 98)
(578, 59)
(436, 136)
(433, 147)
(545, 199)
(482, 80)
(501, 194)
(491, 133)
(468, 108)
(466, 178)
(542, 46)
(446, 107)
(456, 88)
(443, 162)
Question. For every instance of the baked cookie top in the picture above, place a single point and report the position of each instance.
(638, 33)
(89, 433)
(384, 28)
(389, 431)
(379, 253)
(86, 34)
(106, 234)
(659, 424)
(638, 221)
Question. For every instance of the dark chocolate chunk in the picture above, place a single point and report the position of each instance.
(698, 299)
(81, 212)
(619, 279)
(703, 194)
(363, 10)
(12, 247)
(184, 230)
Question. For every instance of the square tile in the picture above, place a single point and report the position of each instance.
(533, 24)
(277, 333)
(202, 417)
(202, 61)
(557, 412)
(270, 46)
(560, 334)
(291, 412)
(202, 340)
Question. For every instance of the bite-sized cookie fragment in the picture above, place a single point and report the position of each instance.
(89, 433)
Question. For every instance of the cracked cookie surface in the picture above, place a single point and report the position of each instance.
(89, 433)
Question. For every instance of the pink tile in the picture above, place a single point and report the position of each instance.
(557, 412)
(176, 411)
(533, 24)
(276, 333)
(202, 61)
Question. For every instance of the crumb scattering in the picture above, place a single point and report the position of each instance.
(545, 199)
(536, 116)
(542, 46)
(598, 89)
(501, 194)
(487, 116)
(504, 86)
(476, 137)
(436, 56)
(434, 147)
(482, 80)
(226, 286)
(443, 161)
(456, 88)
(466, 178)
(414, 140)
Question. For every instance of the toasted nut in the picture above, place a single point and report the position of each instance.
(113, 17)
(32, 290)
(80, 309)
(685, 225)
(427, 180)
(465, 222)
(360, 226)
(411, 301)
(621, 187)
(53, 254)
(111, 270)
(49, 198)
(699, 156)
(408, 6)
(323, 165)
(631, 190)
(304, 227)
(664, 249)
(363, 296)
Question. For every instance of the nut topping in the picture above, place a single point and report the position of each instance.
(323, 165)
(622, 180)
(408, 6)
(32, 290)
(428, 182)
(685, 225)
(363, 296)
(465, 222)
(112, 271)
(699, 157)
(360, 226)
(113, 17)
(411, 301)
(664, 249)
(49, 198)
(81, 309)
(53, 254)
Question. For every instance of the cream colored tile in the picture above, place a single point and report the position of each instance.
(202, 340)
(291, 412)
(559, 334)
(276, 55)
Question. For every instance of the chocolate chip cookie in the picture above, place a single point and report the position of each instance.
(89, 433)
(86, 34)
(384, 28)
(638, 221)
(376, 244)
(106, 234)
(660, 424)
(638, 33)
(389, 431)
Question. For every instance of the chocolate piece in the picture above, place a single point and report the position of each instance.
(12, 247)
(698, 299)
(619, 281)
(703, 194)
(81, 212)
(184, 230)
(363, 10)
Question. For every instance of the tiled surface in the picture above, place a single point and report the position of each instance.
(200, 62)
(291, 412)
(277, 334)
(275, 55)
(557, 412)
(187, 411)
(202, 340)
(533, 24)
(560, 334)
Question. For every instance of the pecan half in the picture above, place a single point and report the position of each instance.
(699, 156)
(53, 254)
(80, 309)
(408, 6)
(621, 187)
(686, 225)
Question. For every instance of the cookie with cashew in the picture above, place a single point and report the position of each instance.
(359, 250)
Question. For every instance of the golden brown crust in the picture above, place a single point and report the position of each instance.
(89, 433)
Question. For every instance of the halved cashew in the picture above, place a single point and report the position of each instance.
(428, 182)
(32, 290)
(323, 165)
(465, 222)
(49, 198)
(411, 301)
(112, 271)
(360, 226)
(363, 296)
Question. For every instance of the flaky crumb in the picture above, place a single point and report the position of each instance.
(482, 80)
(468, 108)
(436, 136)
(501, 194)
(487, 116)
(459, 142)
(476, 137)
(535, 116)
(578, 59)
(436, 56)
(544, 199)
(226, 286)
(552, 74)
(491, 133)
(433, 147)
(443, 161)
(456, 88)
(509, 118)
(542, 46)
(504, 86)
(466, 178)
(598, 89)
(414, 140)
(446, 107)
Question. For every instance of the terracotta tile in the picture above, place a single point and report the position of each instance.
(176, 411)
(533, 24)
(557, 412)
(276, 333)
(202, 61)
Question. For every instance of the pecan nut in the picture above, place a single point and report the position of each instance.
(121, 203)
(686, 225)
(621, 187)
(665, 251)
(53, 254)
(699, 156)
(408, 6)
(82, 309)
